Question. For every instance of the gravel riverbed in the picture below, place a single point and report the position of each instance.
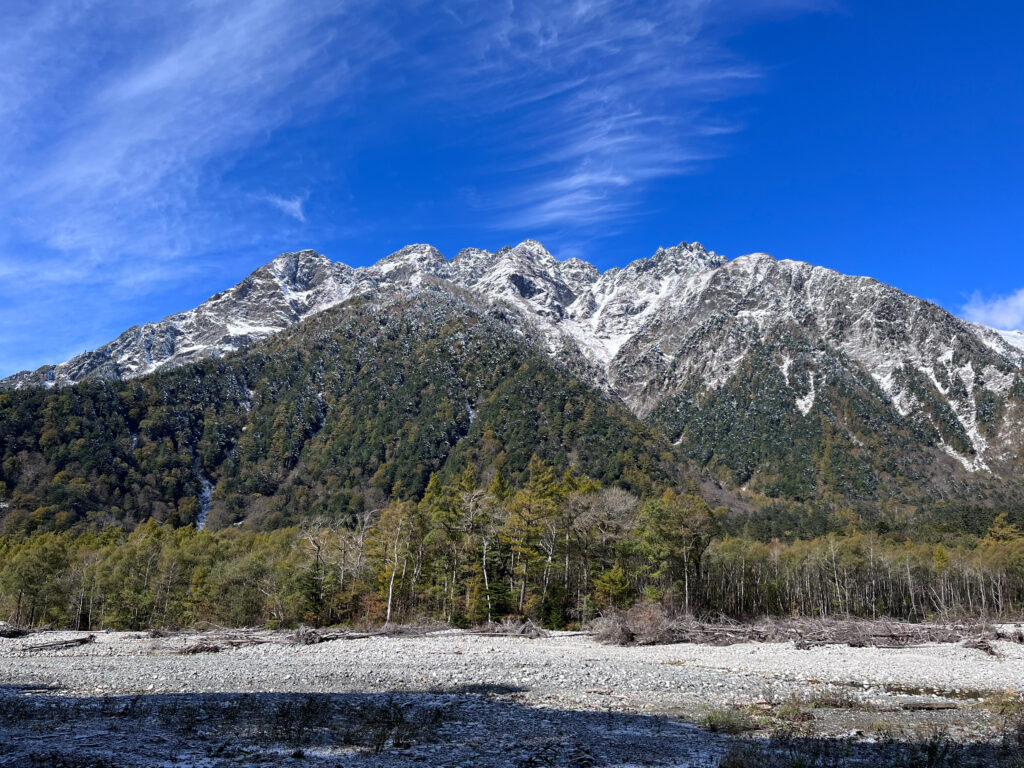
(457, 698)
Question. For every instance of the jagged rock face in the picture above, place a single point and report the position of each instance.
(834, 340)
(712, 320)
(683, 321)
(277, 295)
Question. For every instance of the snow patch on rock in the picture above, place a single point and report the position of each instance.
(805, 403)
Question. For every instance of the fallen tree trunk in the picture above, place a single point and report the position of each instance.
(928, 706)
(58, 645)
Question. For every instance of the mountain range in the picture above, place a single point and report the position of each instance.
(764, 378)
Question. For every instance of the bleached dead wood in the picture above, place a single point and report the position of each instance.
(511, 628)
(654, 628)
(58, 645)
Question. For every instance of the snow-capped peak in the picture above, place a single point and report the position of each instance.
(681, 318)
(683, 258)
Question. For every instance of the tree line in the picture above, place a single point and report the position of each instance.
(557, 548)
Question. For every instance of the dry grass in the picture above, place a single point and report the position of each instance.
(728, 720)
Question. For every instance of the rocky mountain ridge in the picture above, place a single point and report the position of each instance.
(660, 333)
(296, 285)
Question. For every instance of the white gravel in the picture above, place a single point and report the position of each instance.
(569, 676)
(561, 667)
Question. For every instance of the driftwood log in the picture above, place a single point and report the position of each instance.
(58, 645)
(214, 641)
(928, 706)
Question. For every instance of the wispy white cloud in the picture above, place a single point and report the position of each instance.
(600, 98)
(1003, 312)
(122, 167)
(120, 121)
(289, 206)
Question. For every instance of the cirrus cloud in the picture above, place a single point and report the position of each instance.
(121, 124)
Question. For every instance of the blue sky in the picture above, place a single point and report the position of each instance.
(152, 154)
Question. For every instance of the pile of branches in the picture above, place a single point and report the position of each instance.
(650, 625)
(221, 639)
(11, 631)
(511, 627)
(307, 636)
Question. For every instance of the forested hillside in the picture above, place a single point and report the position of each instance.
(338, 414)
(850, 441)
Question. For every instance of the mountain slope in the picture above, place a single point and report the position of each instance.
(333, 414)
(776, 376)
